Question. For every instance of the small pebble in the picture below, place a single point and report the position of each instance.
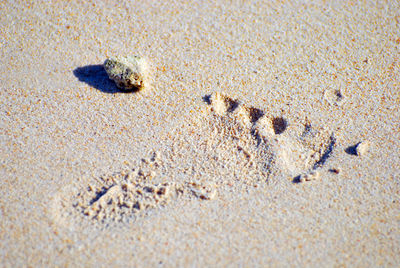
(128, 73)
(362, 148)
(313, 175)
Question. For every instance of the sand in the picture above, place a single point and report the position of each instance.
(268, 134)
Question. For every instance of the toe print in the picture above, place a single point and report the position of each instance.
(272, 142)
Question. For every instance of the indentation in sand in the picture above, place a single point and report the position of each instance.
(232, 143)
(124, 195)
(203, 191)
(279, 124)
(334, 96)
(270, 143)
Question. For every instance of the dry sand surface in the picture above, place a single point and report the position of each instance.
(268, 134)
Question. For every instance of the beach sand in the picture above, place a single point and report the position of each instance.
(268, 134)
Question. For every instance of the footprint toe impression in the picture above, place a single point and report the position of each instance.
(273, 144)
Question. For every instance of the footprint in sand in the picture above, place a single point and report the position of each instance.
(233, 142)
(271, 143)
(123, 196)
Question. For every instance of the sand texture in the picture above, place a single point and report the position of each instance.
(267, 133)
